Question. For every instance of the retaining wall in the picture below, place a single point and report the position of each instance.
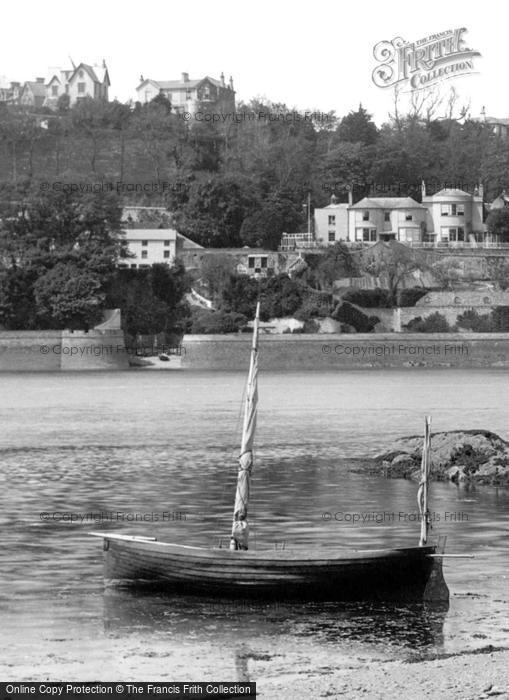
(347, 351)
(46, 351)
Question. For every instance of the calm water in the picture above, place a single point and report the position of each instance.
(162, 445)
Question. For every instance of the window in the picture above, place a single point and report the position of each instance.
(454, 235)
(332, 236)
(263, 262)
(144, 253)
(408, 217)
(144, 243)
(81, 87)
(369, 234)
(387, 216)
(167, 243)
(365, 215)
(453, 210)
(250, 262)
(133, 267)
(54, 90)
(445, 210)
(332, 220)
(461, 210)
(166, 254)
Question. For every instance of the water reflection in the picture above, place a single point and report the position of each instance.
(408, 630)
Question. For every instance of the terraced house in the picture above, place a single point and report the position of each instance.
(449, 217)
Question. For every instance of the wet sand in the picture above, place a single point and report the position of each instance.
(465, 676)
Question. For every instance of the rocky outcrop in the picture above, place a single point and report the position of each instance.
(477, 456)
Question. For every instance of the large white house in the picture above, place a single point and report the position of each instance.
(81, 81)
(188, 95)
(154, 245)
(450, 216)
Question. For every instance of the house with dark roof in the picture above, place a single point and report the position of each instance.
(33, 93)
(188, 95)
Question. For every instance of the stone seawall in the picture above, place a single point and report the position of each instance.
(347, 351)
(47, 351)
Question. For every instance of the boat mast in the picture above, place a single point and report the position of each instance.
(422, 494)
(240, 527)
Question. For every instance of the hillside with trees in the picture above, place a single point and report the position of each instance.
(243, 182)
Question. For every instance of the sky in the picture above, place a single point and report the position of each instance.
(316, 55)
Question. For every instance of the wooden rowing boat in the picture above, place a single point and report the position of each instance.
(405, 573)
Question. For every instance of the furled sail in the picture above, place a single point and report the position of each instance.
(240, 529)
(422, 494)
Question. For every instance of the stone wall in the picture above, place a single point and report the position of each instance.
(46, 351)
(347, 351)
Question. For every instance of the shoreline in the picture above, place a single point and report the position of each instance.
(79, 351)
(465, 675)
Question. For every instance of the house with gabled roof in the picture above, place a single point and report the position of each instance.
(188, 95)
(33, 93)
(79, 82)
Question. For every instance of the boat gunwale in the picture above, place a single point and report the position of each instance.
(188, 552)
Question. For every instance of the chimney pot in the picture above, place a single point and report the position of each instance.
(39, 80)
(185, 77)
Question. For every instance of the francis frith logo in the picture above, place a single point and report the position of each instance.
(423, 63)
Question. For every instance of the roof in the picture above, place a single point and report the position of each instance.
(451, 194)
(99, 74)
(340, 205)
(179, 84)
(188, 243)
(494, 120)
(387, 203)
(38, 89)
(246, 250)
(150, 234)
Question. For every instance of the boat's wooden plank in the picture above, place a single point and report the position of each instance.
(236, 558)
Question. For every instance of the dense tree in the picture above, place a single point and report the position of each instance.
(324, 268)
(151, 301)
(358, 127)
(63, 247)
(393, 263)
(498, 224)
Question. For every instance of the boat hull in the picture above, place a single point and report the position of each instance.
(402, 574)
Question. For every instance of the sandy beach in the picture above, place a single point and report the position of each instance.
(465, 676)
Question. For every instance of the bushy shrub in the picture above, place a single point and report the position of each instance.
(500, 319)
(381, 298)
(207, 321)
(368, 298)
(472, 321)
(436, 323)
(313, 307)
(310, 326)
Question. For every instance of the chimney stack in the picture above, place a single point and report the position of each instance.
(222, 80)
(185, 77)
(231, 83)
(39, 80)
(423, 189)
(350, 196)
